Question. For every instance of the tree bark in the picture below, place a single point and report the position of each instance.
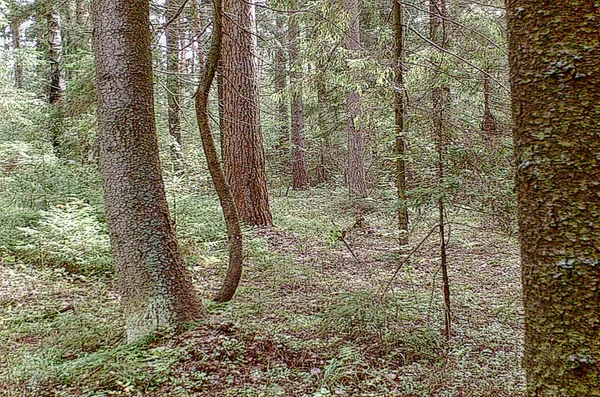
(234, 231)
(300, 179)
(15, 25)
(156, 289)
(174, 97)
(554, 54)
(440, 94)
(399, 94)
(357, 186)
(242, 139)
(280, 82)
(55, 48)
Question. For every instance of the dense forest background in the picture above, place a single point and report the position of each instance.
(367, 147)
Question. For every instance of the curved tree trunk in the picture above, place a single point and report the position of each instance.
(241, 133)
(357, 186)
(554, 54)
(234, 231)
(300, 180)
(156, 289)
(399, 93)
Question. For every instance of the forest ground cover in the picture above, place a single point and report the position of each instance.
(309, 318)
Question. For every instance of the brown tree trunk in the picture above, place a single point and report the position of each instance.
(399, 94)
(234, 231)
(554, 53)
(82, 12)
(15, 25)
(440, 94)
(280, 82)
(322, 100)
(156, 289)
(300, 180)
(174, 97)
(357, 186)
(242, 139)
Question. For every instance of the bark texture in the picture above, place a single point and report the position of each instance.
(357, 186)
(156, 289)
(55, 55)
(241, 133)
(554, 57)
(300, 180)
(234, 230)
(399, 113)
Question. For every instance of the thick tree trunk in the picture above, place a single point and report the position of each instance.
(399, 94)
(357, 186)
(554, 57)
(300, 180)
(234, 230)
(440, 96)
(15, 25)
(174, 97)
(156, 289)
(242, 139)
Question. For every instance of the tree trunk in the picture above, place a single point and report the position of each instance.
(242, 139)
(554, 54)
(399, 94)
(280, 82)
(82, 12)
(234, 230)
(490, 125)
(300, 180)
(156, 290)
(57, 81)
(440, 94)
(172, 37)
(15, 25)
(357, 186)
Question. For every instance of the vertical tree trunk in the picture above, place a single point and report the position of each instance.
(280, 81)
(322, 170)
(82, 12)
(490, 125)
(554, 54)
(242, 139)
(234, 231)
(357, 186)
(55, 48)
(399, 93)
(15, 25)
(57, 81)
(300, 180)
(156, 289)
(172, 37)
(440, 94)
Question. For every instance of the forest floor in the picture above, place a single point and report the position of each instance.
(311, 316)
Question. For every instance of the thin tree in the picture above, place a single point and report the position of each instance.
(357, 186)
(234, 231)
(280, 82)
(15, 26)
(437, 35)
(300, 179)
(399, 113)
(155, 286)
(57, 84)
(174, 94)
(241, 132)
(554, 53)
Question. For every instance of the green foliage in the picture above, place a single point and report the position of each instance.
(69, 236)
(363, 316)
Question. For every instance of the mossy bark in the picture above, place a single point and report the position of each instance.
(554, 59)
(156, 289)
